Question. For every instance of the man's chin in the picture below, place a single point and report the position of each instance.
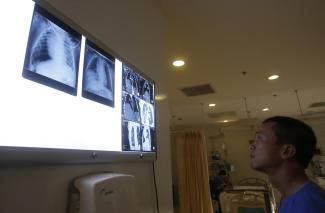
(256, 167)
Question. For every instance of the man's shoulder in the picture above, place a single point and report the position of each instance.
(310, 198)
(310, 193)
(312, 188)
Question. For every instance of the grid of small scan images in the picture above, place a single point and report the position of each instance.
(138, 117)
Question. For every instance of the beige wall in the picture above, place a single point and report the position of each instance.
(232, 142)
(134, 30)
(318, 125)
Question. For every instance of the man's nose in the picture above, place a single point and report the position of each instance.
(251, 147)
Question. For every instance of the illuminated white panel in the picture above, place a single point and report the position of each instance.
(34, 115)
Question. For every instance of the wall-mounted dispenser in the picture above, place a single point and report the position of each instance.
(103, 193)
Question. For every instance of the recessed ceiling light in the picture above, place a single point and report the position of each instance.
(212, 105)
(160, 97)
(273, 77)
(265, 109)
(178, 63)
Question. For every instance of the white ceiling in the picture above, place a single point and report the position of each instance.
(220, 39)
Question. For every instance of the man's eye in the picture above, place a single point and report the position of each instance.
(258, 137)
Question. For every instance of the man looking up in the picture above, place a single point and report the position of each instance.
(282, 150)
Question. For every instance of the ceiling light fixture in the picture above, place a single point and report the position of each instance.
(160, 97)
(212, 105)
(225, 121)
(273, 77)
(265, 109)
(178, 63)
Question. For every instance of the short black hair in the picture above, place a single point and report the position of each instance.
(292, 131)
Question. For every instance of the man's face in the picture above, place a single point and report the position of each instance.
(265, 152)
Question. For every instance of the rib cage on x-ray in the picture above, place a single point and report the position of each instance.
(52, 51)
(130, 81)
(131, 139)
(146, 92)
(145, 138)
(134, 136)
(147, 113)
(130, 108)
(98, 74)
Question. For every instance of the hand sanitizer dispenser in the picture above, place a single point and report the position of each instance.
(103, 193)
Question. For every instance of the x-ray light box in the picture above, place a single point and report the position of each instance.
(65, 94)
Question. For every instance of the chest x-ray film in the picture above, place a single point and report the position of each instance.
(147, 113)
(131, 136)
(98, 75)
(145, 138)
(53, 52)
(130, 107)
(130, 81)
(138, 107)
(146, 90)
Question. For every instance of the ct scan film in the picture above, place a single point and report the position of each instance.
(130, 107)
(138, 112)
(53, 52)
(99, 75)
(131, 136)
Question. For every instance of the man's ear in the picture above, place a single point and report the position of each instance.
(288, 151)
